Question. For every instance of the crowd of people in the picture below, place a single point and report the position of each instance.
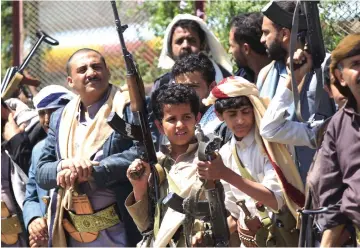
(67, 176)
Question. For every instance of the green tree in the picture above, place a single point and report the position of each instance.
(219, 14)
(332, 13)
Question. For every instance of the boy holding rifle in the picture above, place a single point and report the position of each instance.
(256, 174)
(176, 110)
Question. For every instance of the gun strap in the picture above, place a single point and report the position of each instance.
(264, 215)
(165, 165)
(293, 40)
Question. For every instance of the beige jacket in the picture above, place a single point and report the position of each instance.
(182, 172)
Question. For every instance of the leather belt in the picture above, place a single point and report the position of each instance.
(96, 222)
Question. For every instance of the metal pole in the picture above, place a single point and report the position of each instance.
(17, 29)
(200, 9)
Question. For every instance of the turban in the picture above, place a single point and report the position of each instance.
(231, 87)
(52, 96)
(280, 158)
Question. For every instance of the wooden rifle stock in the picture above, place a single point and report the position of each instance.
(137, 93)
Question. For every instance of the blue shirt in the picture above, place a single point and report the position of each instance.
(276, 79)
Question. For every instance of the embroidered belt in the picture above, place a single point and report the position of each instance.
(96, 222)
(247, 237)
(10, 225)
(357, 235)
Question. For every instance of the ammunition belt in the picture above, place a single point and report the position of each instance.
(11, 225)
(247, 238)
(96, 222)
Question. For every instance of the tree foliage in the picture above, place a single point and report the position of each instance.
(219, 14)
(332, 13)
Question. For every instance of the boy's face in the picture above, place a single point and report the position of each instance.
(44, 118)
(196, 81)
(333, 92)
(178, 124)
(239, 120)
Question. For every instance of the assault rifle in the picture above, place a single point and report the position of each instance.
(14, 76)
(213, 209)
(315, 46)
(140, 132)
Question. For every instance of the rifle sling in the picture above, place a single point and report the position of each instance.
(265, 219)
(293, 41)
(165, 165)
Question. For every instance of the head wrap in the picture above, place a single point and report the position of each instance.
(217, 52)
(348, 47)
(52, 96)
(23, 114)
(280, 158)
(282, 17)
(231, 87)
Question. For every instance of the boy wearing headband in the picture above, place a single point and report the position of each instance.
(251, 169)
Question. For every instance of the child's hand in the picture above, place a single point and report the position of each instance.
(140, 184)
(211, 170)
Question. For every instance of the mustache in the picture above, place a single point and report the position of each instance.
(93, 78)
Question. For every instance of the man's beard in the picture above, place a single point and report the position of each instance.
(183, 53)
(239, 64)
(275, 51)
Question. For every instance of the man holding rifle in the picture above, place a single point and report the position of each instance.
(273, 79)
(88, 161)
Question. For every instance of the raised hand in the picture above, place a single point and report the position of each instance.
(140, 184)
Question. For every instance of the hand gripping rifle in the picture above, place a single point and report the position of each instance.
(315, 46)
(213, 208)
(14, 75)
(140, 132)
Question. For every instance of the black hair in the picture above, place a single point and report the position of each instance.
(82, 50)
(195, 62)
(190, 25)
(247, 28)
(223, 104)
(174, 94)
(327, 72)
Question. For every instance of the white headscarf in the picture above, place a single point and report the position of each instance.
(217, 52)
(52, 97)
(23, 114)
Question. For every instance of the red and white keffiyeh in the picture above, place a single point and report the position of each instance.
(278, 155)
